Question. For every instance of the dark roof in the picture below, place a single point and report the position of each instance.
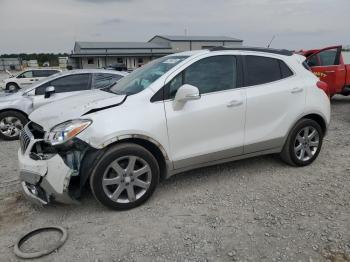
(197, 38)
(122, 45)
(256, 49)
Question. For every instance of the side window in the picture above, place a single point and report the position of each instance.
(71, 83)
(40, 90)
(175, 84)
(50, 72)
(328, 57)
(67, 84)
(285, 70)
(28, 74)
(40, 73)
(212, 74)
(262, 70)
(313, 61)
(104, 80)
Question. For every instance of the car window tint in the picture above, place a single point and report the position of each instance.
(51, 72)
(261, 70)
(328, 57)
(39, 73)
(40, 90)
(313, 61)
(28, 74)
(105, 80)
(285, 70)
(212, 74)
(71, 83)
(175, 84)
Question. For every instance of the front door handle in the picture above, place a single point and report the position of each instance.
(296, 90)
(234, 103)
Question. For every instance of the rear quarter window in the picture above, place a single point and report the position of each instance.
(261, 70)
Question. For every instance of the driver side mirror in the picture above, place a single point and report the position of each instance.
(185, 93)
(49, 91)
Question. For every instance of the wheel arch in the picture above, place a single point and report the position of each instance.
(314, 116)
(151, 145)
(16, 110)
(155, 148)
(319, 119)
(11, 82)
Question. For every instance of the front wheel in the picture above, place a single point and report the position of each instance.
(125, 177)
(303, 143)
(12, 87)
(11, 123)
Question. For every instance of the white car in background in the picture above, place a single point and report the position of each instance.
(177, 113)
(26, 78)
(15, 107)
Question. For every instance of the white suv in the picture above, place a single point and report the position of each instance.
(179, 112)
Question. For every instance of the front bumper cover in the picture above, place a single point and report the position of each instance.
(43, 180)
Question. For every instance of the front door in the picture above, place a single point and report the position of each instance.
(212, 127)
(326, 65)
(25, 79)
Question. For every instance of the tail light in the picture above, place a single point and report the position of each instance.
(324, 86)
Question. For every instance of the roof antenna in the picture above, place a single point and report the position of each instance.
(273, 38)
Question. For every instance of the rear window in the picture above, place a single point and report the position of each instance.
(262, 70)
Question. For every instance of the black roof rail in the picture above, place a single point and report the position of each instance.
(256, 49)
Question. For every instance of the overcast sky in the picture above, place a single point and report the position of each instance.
(54, 25)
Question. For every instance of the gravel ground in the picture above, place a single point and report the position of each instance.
(252, 210)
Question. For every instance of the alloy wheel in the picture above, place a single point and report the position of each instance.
(127, 179)
(306, 143)
(10, 126)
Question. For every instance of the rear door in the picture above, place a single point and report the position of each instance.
(326, 64)
(274, 98)
(39, 74)
(64, 86)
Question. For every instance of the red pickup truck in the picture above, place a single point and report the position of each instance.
(328, 64)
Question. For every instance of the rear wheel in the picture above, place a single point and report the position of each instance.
(125, 177)
(11, 123)
(303, 143)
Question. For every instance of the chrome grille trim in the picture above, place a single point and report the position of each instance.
(25, 138)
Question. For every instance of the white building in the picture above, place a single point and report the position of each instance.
(136, 54)
(10, 64)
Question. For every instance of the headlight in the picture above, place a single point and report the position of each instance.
(66, 131)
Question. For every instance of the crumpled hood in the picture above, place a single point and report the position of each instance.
(74, 107)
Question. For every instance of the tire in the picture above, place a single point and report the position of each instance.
(11, 123)
(13, 87)
(292, 150)
(117, 174)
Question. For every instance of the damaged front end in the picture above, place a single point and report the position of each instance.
(49, 172)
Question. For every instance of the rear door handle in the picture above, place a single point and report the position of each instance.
(296, 90)
(330, 71)
(234, 103)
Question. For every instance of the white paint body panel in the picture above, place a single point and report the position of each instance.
(202, 127)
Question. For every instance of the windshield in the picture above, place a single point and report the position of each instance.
(143, 77)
